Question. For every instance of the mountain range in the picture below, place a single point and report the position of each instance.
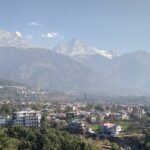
(74, 67)
(13, 39)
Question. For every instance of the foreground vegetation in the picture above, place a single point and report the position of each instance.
(22, 138)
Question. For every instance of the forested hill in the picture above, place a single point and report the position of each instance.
(4, 82)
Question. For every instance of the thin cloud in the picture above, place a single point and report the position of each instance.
(29, 37)
(19, 34)
(50, 35)
(34, 24)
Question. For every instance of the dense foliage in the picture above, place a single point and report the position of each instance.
(22, 138)
(147, 141)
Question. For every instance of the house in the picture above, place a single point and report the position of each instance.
(138, 112)
(71, 115)
(121, 116)
(125, 116)
(91, 133)
(93, 120)
(109, 129)
(76, 126)
(4, 120)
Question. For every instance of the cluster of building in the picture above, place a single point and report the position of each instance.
(79, 124)
(23, 93)
(77, 117)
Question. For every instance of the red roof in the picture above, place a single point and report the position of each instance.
(109, 125)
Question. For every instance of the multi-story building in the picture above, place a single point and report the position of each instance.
(71, 116)
(29, 118)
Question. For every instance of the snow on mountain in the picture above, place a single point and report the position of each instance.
(73, 48)
(103, 53)
(12, 39)
(77, 49)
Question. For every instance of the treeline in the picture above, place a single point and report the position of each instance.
(22, 138)
(147, 140)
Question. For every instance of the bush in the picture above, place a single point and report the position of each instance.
(19, 137)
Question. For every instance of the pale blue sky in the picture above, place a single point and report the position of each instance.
(105, 24)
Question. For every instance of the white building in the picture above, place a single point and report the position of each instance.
(93, 120)
(110, 129)
(4, 120)
(29, 118)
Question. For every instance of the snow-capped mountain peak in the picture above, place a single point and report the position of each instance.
(12, 39)
(77, 49)
(103, 53)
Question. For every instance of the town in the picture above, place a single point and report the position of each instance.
(114, 122)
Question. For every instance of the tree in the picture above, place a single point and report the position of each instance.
(44, 120)
(99, 107)
(20, 137)
(68, 109)
(5, 109)
(7, 143)
(115, 147)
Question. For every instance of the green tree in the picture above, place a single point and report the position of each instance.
(68, 109)
(99, 107)
(115, 146)
(44, 120)
(5, 109)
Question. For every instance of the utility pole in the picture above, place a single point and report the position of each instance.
(85, 98)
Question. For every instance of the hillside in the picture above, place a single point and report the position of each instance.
(45, 69)
(4, 82)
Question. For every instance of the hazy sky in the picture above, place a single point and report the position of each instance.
(105, 24)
